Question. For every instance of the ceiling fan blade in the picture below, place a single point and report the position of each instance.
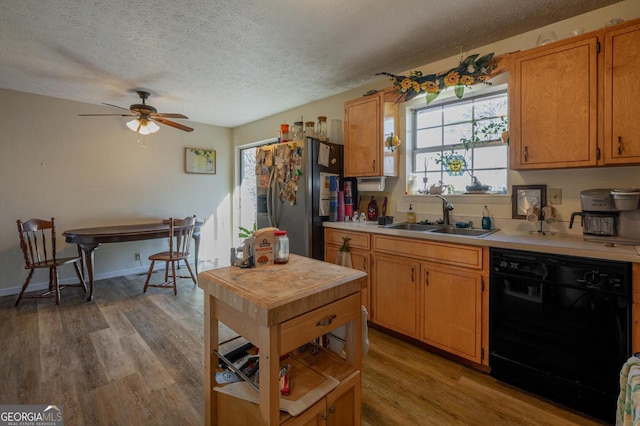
(168, 115)
(116, 106)
(107, 115)
(172, 124)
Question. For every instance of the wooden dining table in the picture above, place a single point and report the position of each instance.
(88, 240)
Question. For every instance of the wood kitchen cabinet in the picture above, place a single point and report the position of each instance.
(573, 102)
(367, 122)
(621, 94)
(446, 306)
(395, 298)
(552, 97)
(359, 244)
(452, 310)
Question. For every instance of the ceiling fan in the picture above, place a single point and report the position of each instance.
(146, 116)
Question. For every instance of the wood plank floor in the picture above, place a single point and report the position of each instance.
(137, 359)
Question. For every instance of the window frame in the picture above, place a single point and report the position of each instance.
(502, 90)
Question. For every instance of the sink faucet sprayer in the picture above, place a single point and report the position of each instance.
(446, 208)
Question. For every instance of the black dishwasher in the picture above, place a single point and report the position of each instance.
(560, 327)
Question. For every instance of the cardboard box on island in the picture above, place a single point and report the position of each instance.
(264, 241)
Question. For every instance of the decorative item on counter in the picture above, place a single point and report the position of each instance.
(243, 256)
(321, 129)
(411, 215)
(546, 38)
(281, 247)
(549, 214)
(343, 258)
(309, 129)
(471, 70)
(486, 218)
(284, 132)
(372, 209)
(392, 142)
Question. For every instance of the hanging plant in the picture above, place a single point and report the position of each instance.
(470, 71)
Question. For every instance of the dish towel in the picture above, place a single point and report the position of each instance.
(628, 412)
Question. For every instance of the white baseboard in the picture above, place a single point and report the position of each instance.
(43, 285)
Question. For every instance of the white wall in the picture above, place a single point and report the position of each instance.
(570, 181)
(91, 171)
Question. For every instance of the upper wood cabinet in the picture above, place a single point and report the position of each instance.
(573, 103)
(622, 95)
(367, 122)
(553, 101)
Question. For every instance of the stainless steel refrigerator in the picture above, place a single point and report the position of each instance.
(293, 190)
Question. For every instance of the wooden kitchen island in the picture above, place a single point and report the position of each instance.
(279, 308)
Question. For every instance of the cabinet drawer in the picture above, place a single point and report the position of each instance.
(306, 327)
(449, 254)
(359, 240)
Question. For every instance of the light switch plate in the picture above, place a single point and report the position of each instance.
(555, 196)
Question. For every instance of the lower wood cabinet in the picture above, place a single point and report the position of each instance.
(360, 257)
(337, 408)
(452, 310)
(395, 294)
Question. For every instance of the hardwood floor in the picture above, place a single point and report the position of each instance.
(137, 359)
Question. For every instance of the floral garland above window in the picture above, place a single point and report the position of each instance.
(470, 71)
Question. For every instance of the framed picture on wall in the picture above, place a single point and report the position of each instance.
(200, 160)
(525, 196)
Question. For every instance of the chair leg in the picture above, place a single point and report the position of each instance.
(166, 271)
(84, 285)
(56, 285)
(146, 283)
(186, 262)
(24, 287)
(173, 271)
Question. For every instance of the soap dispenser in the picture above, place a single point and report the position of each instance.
(411, 215)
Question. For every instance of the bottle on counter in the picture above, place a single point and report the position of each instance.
(411, 215)
(486, 218)
(372, 209)
(281, 247)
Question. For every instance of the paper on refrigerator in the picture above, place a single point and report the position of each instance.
(325, 193)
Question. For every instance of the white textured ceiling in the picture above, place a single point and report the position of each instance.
(229, 62)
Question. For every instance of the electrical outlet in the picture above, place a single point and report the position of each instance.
(555, 196)
(137, 256)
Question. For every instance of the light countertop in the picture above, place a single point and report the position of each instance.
(518, 240)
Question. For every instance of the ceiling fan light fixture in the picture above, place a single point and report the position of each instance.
(144, 127)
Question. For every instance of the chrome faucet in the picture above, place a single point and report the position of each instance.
(446, 208)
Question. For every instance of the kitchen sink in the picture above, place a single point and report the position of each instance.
(405, 226)
(463, 231)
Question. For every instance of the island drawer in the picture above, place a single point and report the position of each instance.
(306, 327)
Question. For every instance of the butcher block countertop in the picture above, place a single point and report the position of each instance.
(557, 244)
(275, 293)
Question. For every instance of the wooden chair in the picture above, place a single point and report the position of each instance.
(38, 243)
(181, 232)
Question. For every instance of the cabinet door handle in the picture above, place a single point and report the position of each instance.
(364, 265)
(332, 409)
(324, 416)
(426, 277)
(619, 145)
(413, 270)
(597, 153)
(326, 321)
(373, 164)
(526, 153)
